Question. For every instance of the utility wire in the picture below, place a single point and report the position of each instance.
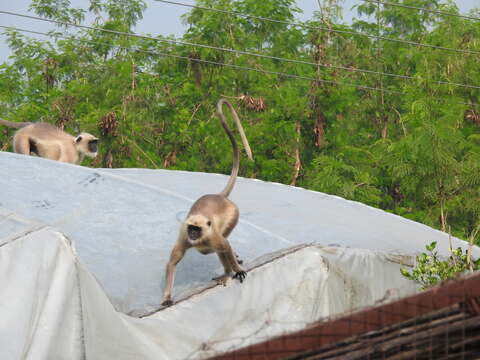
(238, 67)
(413, 43)
(423, 9)
(136, 49)
(351, 69)
(216, 48)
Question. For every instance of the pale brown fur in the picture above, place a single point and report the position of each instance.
(49, 142)
(210, 220)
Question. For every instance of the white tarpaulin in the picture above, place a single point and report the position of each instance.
(60, 223)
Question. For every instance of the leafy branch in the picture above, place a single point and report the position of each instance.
(430, 268)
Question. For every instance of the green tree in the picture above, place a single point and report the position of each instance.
(409, 143)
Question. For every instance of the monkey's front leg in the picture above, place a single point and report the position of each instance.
(167, 292)
(177, 254)
(222, 279)
(240, 273)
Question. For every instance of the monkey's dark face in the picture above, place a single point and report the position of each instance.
(93, 145)
(198, 228)
(194, 232)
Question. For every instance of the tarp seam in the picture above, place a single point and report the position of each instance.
(84, 351)
(280, 255)
(23, 234)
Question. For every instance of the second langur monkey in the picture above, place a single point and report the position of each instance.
(47, 141)
(211, 219)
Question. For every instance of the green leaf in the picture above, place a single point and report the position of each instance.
(432, 246)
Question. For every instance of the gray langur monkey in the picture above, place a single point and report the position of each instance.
(210, 220)
(47, 141)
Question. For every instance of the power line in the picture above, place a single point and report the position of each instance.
(129, 48)
(214, 47)
(248, 53)
(238, 67)
(423, 9)
(413, 43)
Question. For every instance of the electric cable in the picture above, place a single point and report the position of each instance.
(248, 53)
(239, 67)
(413, 43)
(423, 9)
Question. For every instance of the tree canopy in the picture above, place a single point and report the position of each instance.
(341, 109)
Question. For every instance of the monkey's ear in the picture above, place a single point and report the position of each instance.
(78, 139)
(209, 223)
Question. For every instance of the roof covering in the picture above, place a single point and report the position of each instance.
(124, 222)
(51, 307)
(440, 323)
(80, 248)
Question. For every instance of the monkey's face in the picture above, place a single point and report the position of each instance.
(198, 227)
(194, 232)
(87, 144)
(93, 146)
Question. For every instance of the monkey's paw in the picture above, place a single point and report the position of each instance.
(222, 279)
(167, 302)
(240, 275)
(240, 261)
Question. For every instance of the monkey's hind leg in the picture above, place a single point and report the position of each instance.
(21, 144)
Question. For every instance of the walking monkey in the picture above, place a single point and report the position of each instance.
(47, 141)
(211, 219)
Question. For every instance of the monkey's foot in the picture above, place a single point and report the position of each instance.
(167, 302)
(240, 261)
(222, 279)
(240, 275)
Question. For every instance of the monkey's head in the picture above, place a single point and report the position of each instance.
(198, 227)
(87, 144)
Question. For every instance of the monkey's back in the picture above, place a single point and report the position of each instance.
(44, 132)
(46, 141)
(218, 208)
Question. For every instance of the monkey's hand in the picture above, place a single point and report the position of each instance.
(240, 275)
(222, 279)
(167, 302)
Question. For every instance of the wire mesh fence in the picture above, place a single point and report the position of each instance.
(440, 323)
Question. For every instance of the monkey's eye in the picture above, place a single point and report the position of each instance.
(209, 223)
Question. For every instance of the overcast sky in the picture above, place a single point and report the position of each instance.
(159, 18)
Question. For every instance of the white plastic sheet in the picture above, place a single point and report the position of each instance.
(62, 227)
(51, 307)
(124, 222)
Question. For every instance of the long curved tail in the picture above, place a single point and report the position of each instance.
(236, 153)
(16, 125)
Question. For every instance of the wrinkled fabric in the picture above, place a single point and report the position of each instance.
(83, 250)
(51, 306)
(125, 222)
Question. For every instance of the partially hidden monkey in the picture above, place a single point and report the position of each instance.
(211, 219)
(47, 141)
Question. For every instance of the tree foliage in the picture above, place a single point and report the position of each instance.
(407, 145)
(430, 269)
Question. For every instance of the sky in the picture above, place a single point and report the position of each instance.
(159, 18)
